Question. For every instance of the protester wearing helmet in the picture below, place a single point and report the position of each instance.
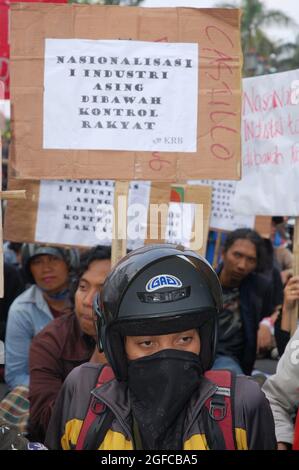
(48, 268)
(157, 325)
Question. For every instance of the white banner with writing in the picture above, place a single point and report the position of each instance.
(81, 213)
(75, 212)
(270, 146)
(120, 95)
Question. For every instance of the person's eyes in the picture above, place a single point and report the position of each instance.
(186, 339)
(35, 262)
(146, 343)
(83, 287)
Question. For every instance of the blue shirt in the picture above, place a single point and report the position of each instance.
(27, 316)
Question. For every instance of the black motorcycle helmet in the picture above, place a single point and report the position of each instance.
(156, 290)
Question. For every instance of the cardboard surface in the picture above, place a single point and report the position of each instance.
(4, 39)
(20, 216)
(216, 31)
(4, 48)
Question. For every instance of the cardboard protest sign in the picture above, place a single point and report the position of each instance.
(184, 220)
(125, 92)
(82, 213)
(270, 131)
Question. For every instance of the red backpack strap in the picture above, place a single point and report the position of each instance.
(220, 406)
(95, 407)
(296, 433)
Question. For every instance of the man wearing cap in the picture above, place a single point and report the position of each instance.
(48, 268)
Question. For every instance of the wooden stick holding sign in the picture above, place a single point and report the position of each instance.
(295, 313)
(217, 248)
(13, 194)
(119, 232)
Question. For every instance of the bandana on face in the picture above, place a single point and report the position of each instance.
(62, 295)
(160, 387)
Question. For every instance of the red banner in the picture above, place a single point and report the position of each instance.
(4, 48)
(4, 38)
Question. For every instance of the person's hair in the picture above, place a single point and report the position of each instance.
(97, 253)
(14, 246)
(254, 238)
(270, 262)
(277, 220)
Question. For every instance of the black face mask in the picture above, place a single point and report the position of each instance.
(160, 388)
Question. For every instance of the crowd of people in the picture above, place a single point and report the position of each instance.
(155, 353)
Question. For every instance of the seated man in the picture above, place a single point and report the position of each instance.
(66, 342)
(49, 269)
(157, 324)
(248, 298)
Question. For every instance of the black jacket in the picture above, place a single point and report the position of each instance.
(257, 300)
(253, 423)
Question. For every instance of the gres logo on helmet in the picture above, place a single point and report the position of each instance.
(163, 280)
(136, 301)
